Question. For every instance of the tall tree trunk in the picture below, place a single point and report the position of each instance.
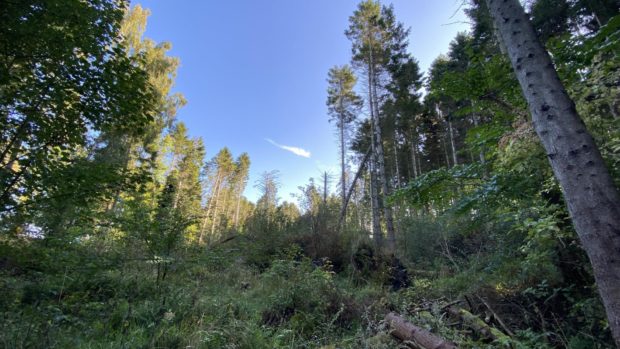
(209, 206)
(374, 190)
(358, 210)
(343, 184)
(325, 188)
(175, 201)
(592, 198)
(445, 151)
(476, 123)
(455, 160)
(360, 170)
(413, 144)
(396, 165)
(215, 207)
(237, 209)
(377, 234)
(387, 210)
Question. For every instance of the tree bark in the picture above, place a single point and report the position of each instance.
(406, 331)
(592, 198)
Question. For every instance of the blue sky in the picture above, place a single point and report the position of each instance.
(254, 73)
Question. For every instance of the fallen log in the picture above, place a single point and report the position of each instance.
(407, 331)
(478, 325)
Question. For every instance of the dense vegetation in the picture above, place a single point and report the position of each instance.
(116, 232)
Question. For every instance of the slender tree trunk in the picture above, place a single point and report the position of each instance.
(358, 210)
(396, 165)
(592, 198)
(343, 184)
(445, 151)
(419, 162)
(476, 123)
(387, 210)
(374, 190)
(455, 160)
(413, 158)
(175, 201)
(237, 209)
(209, 206)
(360, 170)
(325, 188)
(215, 207)
(450, 134)
(377, 234)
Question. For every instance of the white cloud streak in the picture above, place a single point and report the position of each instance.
(295, 150)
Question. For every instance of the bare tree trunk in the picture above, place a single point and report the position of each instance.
(396, 165)
(377, 234)
(175, 201)
(358, 210)
(592, 198)
(209, 206)
(445, 151)
(387, 210)
(413, 158)
(343, 184)
(455, 160)
(237, 209)
(215, 207)
(476, 123)
(374, 192)
(343, 210)
(325, 188)
(450, 134)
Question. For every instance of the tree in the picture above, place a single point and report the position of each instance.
(343, 106)
(591, 196)
(369, 34)
(268, 185)
(186, 157)
(220, 170)
(242, 171)
(59, 87)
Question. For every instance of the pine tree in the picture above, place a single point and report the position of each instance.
(343, 106)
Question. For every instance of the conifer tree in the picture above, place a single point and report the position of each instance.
(343, 106)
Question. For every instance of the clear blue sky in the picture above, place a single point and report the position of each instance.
(254, 71)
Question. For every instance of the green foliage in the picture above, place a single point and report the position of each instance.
(60, 87)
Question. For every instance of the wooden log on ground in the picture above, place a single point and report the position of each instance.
(407, 331)
(476, 324)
